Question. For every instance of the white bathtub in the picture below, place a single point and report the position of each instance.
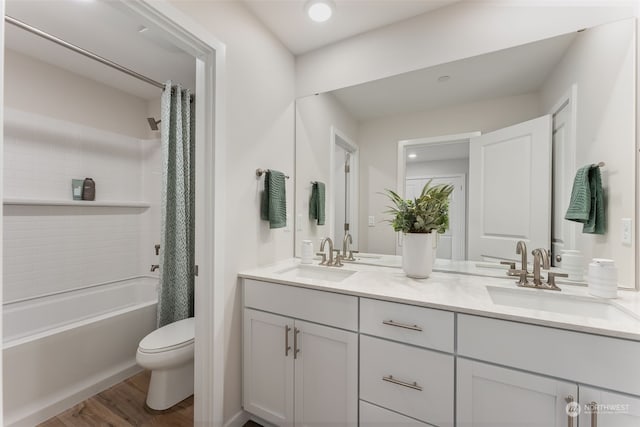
(60, 349)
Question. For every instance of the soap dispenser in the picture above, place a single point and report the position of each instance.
(88, 189)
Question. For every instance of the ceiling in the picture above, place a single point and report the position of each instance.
(288, 21)
(105, 28)
(436, 152)
(515, 71)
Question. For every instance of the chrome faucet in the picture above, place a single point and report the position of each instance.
(346, 249)
(523, 272)
(330, 262)
(540, 258)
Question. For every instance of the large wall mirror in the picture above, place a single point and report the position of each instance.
(508, 129)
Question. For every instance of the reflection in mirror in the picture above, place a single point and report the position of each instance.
(509, 129)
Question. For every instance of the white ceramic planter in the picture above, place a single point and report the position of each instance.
(418, 253)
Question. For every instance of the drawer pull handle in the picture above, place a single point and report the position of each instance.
(296, 350)
(287, 347)
(570, 410)
(402, 325)
(414, 385)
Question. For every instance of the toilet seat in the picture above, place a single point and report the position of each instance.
(169, 337)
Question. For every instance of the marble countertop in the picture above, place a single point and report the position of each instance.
(478, 295)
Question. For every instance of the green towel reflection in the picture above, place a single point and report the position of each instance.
(317, 202)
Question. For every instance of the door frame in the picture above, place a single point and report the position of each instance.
(340, 139)
(401, 169)
(461, 251)
(210, 135)
(570, 97)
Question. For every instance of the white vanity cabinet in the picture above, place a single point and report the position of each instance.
(295, 372)
(399, 370)
(499, 395)
(489, 396)
(607, 409)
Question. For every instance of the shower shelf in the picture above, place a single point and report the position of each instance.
(97, 204)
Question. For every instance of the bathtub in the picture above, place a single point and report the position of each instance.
(61, 349)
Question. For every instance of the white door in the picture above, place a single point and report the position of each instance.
(452, 243)
(268, 367)
(490, 396)
(599, 408)
(326, 376)
(510, 190)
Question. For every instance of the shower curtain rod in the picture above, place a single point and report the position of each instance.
(81, 51)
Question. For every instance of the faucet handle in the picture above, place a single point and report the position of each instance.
(511, 264)
(338, 259)
(551, 280)
(324, 257)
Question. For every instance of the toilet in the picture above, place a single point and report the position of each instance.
(168, 353)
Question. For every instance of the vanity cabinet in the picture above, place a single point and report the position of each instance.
(295, 372)
(489, 396)
(601, 408)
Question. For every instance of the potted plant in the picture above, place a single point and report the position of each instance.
(419, 220)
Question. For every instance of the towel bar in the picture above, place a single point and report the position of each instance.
(259, 172)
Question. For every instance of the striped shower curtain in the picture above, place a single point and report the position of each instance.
(175, 299)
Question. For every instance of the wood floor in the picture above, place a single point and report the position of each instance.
(123, 405)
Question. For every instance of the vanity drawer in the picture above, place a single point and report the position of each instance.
(327, 308)
(375, 416)
(576, 356)
(389, 370)
(420, 326)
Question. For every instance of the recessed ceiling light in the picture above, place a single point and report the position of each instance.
(319, 10)
(142, 29)
(413, 155)
(443, 79)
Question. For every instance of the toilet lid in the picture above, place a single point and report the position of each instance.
(176, 334)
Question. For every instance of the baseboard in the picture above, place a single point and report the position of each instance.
(239, 420)
(42, 411)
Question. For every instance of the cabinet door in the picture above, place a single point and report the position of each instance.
(326, 376)
(599, 408)
(268, 367)
(490, 396)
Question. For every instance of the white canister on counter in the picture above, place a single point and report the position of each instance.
(307, 252)
(573, 264)
(603, 278)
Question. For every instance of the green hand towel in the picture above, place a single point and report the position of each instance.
(273, 206)
(316, 202)
(587, 200)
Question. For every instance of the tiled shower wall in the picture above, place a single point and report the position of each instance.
(56, 248)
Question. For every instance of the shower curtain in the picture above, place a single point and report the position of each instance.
(175, 299)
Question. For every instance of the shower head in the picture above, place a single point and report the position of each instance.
(153, 123)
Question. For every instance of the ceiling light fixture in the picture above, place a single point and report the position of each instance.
(319, 10)
(413, 155)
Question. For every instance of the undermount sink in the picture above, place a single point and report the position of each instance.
(329, 274)
(492, 265)
(554, 302)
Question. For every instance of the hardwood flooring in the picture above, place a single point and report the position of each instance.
(122, 406)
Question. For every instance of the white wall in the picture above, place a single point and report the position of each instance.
(439, 167)
(459, 31)
(379, 143)
(601, 62)
(36, 86)
(259, 114)
(315, 115)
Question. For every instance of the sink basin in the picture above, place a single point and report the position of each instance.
(554, 302)
(329, 274)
